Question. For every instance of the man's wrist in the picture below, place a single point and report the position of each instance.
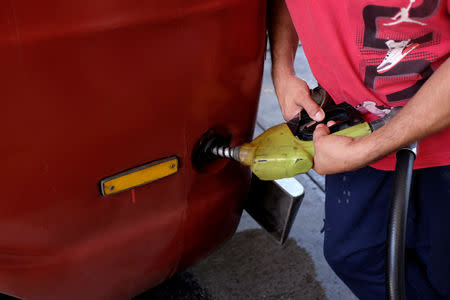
(370, 148)
(281, 75)
(282, 71)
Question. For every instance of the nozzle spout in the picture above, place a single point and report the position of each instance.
(225, 152)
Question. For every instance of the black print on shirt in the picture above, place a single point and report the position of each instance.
(393, 63)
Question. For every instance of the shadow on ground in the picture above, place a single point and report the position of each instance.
(182, 286)
(253, 266)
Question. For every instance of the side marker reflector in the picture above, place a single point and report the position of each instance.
(138, 176)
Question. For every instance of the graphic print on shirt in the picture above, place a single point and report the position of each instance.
(392, 51)
(397, 51)
(371, 107)
(403, 16)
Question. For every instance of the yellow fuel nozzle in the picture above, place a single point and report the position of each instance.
(277, 153)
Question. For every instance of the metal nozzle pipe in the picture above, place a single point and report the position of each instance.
(225, 152)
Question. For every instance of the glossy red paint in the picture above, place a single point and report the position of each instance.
(91, 88)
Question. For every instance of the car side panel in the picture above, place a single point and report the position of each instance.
(92, 88)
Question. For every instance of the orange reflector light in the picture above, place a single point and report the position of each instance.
(139, 176)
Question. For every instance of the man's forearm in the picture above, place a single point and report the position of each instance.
(283, 40)
(426, 113)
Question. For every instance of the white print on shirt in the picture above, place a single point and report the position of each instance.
(372, 107)
(403, 16)
(397, 51)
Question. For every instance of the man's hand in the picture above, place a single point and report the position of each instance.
(292, 92)
(335, 153)
(293, 95)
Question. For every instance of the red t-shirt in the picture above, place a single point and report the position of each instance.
(376, 54)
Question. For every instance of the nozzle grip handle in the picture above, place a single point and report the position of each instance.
(355, 131)
(344, 114)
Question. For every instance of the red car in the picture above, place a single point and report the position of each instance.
(94, 91)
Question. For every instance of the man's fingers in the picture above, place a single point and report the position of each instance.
(321, 130)
(314, 111)
(292, 110)
(294, 95)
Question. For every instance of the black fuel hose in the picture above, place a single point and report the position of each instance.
(396, 235)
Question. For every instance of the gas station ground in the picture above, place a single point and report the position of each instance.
(252, 265)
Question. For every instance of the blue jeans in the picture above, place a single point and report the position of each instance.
(356, 217)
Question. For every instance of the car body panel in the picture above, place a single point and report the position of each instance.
(92, 88)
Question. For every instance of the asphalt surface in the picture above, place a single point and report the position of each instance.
(252, 265)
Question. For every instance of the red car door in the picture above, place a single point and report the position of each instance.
(92, 88)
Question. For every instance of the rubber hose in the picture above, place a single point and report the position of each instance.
(395, 242)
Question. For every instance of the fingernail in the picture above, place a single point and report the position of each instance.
(319, 115)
